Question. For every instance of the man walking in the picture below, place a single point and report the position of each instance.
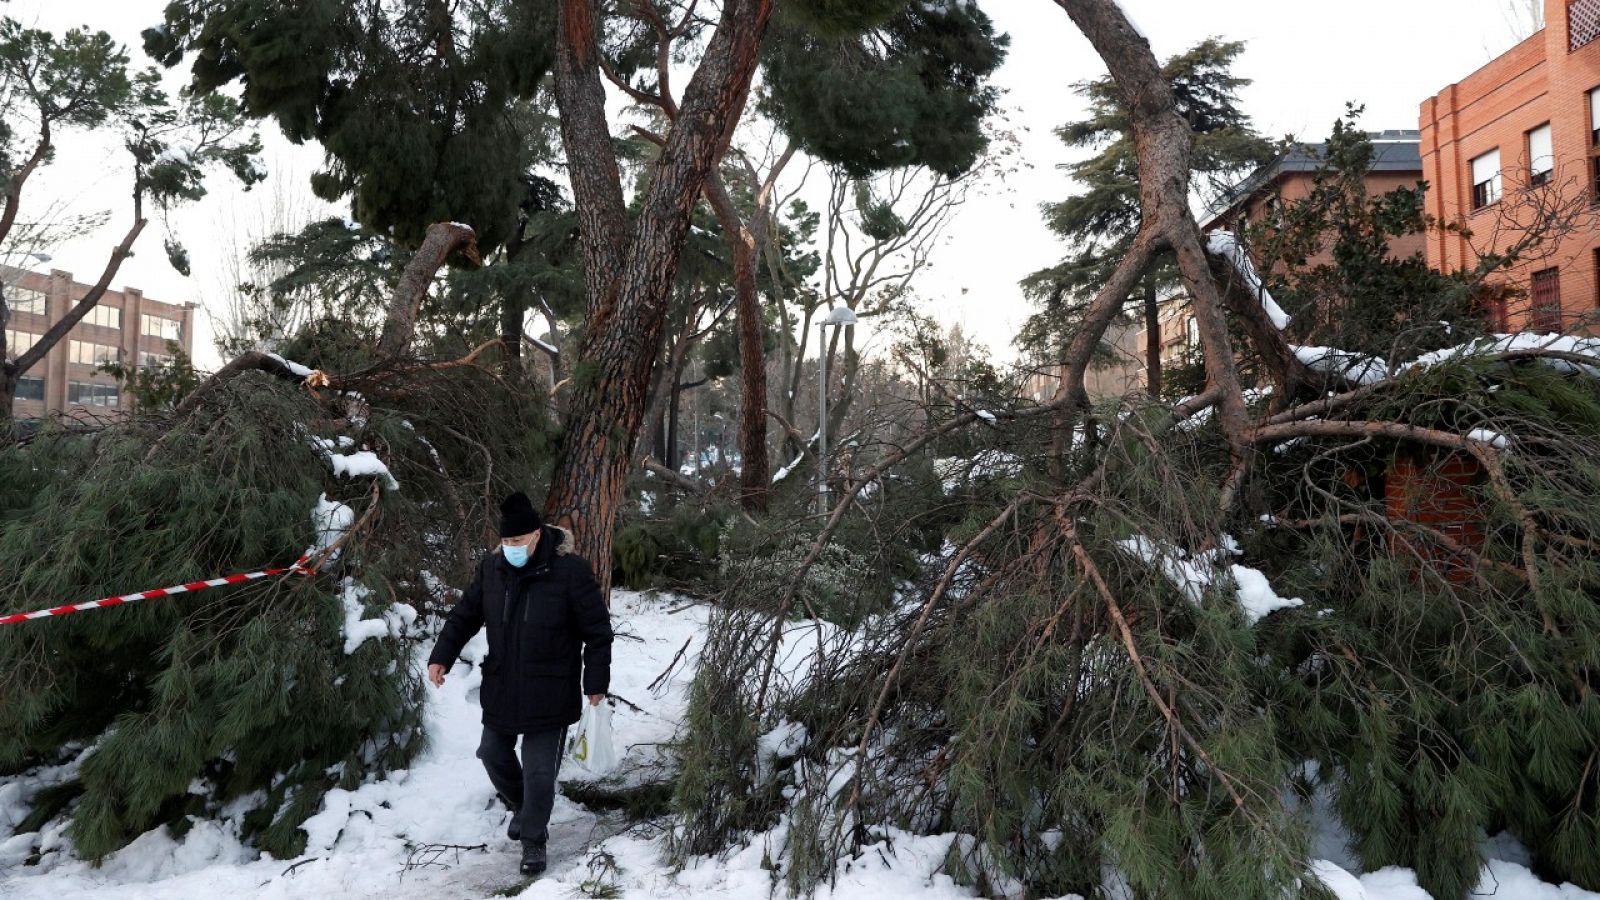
(547, 624)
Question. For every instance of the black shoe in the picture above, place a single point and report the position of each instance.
(533, 858)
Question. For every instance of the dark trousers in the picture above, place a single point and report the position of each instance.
(531, 782)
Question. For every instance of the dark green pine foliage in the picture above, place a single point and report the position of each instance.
(881, 85)
(420, 106)
(1099, 222)
(243, 692)
(1444, 702)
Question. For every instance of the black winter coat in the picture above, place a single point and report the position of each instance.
(547, 623)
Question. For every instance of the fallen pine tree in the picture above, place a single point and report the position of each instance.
(246, 701)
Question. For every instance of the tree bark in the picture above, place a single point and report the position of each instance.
(442, 240)
(629, 274)
(1152, 341)
(8, 214)
(511, 312)
(744, 243)
(1162, 144)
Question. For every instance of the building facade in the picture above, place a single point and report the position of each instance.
(1513, 151)
(124, 327)
(1396, 163)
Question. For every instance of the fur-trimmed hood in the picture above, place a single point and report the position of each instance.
(563, 547)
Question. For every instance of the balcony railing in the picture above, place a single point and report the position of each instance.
(1583, 22)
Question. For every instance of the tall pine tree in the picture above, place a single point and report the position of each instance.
(1101, 221)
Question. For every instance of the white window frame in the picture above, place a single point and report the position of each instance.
(27, 300)
(105, 316)
(1485, 173)
(161, 327)
(1594, 117)
(19, 342)
(1541, 155)
(90, 353)
(30, 379)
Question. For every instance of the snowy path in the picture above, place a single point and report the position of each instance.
(360, 843)
(362, 839)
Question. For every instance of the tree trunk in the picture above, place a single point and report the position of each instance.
(629, 273)
(9, 374)
(512, 307)
(744, 247)
(1162, 144)
(443, 239)
(1152, 340)
(671, 457)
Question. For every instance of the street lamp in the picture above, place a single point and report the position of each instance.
(838, 317)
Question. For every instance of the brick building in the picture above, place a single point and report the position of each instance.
(125, 327)
(1396, 163)
(1508, 144)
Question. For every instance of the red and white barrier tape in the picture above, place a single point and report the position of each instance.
(299, 568)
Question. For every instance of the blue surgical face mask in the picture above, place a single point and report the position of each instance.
(517, 556)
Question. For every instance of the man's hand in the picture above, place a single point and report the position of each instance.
(436, 674)
(594, 699)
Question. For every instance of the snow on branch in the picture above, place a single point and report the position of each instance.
(1195, 574)
(1226, 244)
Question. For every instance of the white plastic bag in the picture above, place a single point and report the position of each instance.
(591, 746)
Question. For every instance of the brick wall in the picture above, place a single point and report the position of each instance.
(1541, 80)
(1438, 490)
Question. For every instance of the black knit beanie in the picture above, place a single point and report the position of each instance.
(517, 516)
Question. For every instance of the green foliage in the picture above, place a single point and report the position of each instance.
(754, 566)
(233, 686)
(1449, 697)
(423, 114)
(160, 386)
(1431, 695)
(241, 694)
(886, 86)
(1329, 262)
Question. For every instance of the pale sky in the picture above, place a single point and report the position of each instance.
(1307, 61)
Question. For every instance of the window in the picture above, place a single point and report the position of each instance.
(25, 300)
(149, 360)
(107, 316)
(1191, 333)
(1486, 179)
(1594, 185)
(19, 342)
(1594, 117)
(164, 328)
(89, 393)
(89, 354)
(30, 387)
(1546, 314)
(1541, 158)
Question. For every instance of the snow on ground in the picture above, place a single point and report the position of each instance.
(360, 843)
(362, 839)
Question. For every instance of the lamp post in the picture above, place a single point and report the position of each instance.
(839, 317)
